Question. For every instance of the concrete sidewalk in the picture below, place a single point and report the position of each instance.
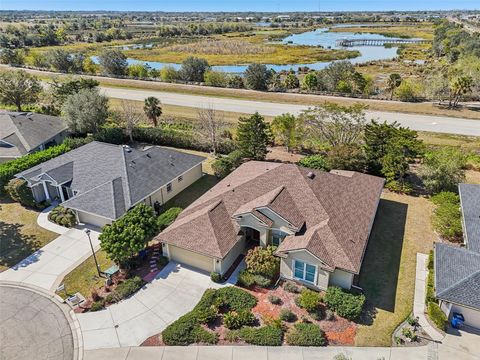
(47, 266)
(419, 308)
(256, 353)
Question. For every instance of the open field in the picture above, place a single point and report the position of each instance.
(402, 228)
(20, 235)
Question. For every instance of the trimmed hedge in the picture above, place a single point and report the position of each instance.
(306, 334)
(437, 316)
(129, 287)
(168, 217)
(178, 138)
(236, 320)
(263, 336)
(344, 303)
(10, 168)
(235, 299)
(18, 190)
(309, 300)
(287, 315)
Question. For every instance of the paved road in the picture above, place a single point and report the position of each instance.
(433, 123)
(33, 326)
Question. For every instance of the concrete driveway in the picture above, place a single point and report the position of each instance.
(47, 266)
(174, 292)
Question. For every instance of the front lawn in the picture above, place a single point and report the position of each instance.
(20, 235)
(402, 228)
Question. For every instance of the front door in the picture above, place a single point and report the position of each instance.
(252, 235)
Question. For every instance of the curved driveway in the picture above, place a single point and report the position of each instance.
(432, 123)
(33, 326)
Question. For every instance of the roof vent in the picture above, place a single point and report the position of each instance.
(127, 148)
(149, 156)
(310, 175)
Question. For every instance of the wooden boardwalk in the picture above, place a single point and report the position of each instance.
(377, 42)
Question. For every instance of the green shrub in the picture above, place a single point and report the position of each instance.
(437, 316)
(430, 260)
(10, 168)
(224, 165)
(181, 332)
(274, 299)
(19, 191)
(245, 278)
(184, 139)
(111, 298)
(215, 78)
(232, 336)
(76, 142)
(291, 287)
(401, 187)
(262, 281)
(98, 305)
(215, 277)
(168, 217)
(235, 299)
(129, 286)
(430, 291)
(447, 216)
(112, 135)
(206, 315)
(162, 261)
(204, 336)
(303, 334)
(309, 300)
(287, 315)
(314, 162)
(236, 320)
(62, 216)
(262, 261)
(263, 336)
(344, 303)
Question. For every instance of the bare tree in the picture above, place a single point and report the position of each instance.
(337, 125)
(212, 123)
(130, 117)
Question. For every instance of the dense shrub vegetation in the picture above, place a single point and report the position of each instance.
(437, 316)
(236, 320)
(344, 303)
(19, 191)
(447, 216)
(168, 217)
(314, 162)
(309, 300)
(305, 334)
(263, 336)
(262, 261)
(63, 216)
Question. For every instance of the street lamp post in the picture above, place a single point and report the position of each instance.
(87, 231)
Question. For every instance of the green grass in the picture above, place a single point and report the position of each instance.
(20, 235)
(84, 278)
(193, 192)
(402, 228)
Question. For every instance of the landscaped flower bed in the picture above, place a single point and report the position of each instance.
(410, 333)
(259, 316)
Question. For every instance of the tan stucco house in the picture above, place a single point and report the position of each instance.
(320, 222)
(102, 181)
(23, 133)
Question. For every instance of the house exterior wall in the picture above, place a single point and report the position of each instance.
(286, 269)
(38, 193)
(53, 191)
(341, 278)
(162, 195)
(91, 219)
(278, 222)
(228, 260)
(191, 258)
(472, 317)
(248, 220)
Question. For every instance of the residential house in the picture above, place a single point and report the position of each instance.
(320, 221)
(457, 269)
(22, 133)
(102, 181)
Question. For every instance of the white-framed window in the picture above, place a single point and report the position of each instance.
(180, 178)
(304, 271)
(277, 237)
(169, 187)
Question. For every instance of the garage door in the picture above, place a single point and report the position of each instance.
(190, 258)
(92, 219)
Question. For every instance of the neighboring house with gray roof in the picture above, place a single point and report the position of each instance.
(22, 133)
(457, 269)
(102, 181)
(319, 221)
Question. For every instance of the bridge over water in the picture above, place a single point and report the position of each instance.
(377, 42)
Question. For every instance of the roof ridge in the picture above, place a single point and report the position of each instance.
(128, 198)
(25, 144)
(459, 282)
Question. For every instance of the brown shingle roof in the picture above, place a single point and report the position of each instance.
(335, 211)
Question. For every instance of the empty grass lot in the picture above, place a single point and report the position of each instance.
(402, 228)
(20, 235)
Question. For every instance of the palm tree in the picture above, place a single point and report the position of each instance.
(393, 82)
(153, 109)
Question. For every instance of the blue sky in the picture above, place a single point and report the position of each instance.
(244, 5)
